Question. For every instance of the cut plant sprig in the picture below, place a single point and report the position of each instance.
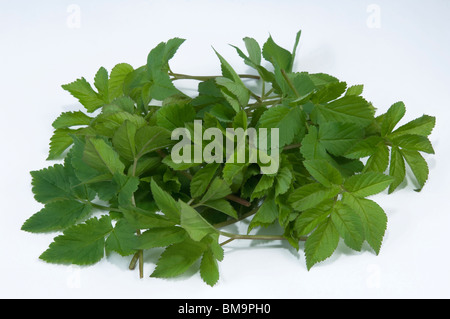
(334, 154)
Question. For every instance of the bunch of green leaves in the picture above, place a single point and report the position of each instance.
(117, 189)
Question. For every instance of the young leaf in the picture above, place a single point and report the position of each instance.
(82, 90)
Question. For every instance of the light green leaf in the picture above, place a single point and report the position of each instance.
(421, 126)
(69, 119)
(396, 168)
(174, 116)
(392, 117)
(310, 195)
(321, 244)
(60, 141)
(418, 166)
(117, 79)
(367, 184)
(379, 161)
(195, 225)
(101, 156)
(338, 138)
(151, 138)
(349, 226)
(414, 143)
(323, 172)
(82, 90)
(124, 140)
(209, 268)
(348, 109)
(355, 90)
(372, 216)
(289, 121)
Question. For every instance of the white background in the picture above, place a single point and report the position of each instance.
(402, 53)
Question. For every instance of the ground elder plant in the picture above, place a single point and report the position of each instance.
(146, 166)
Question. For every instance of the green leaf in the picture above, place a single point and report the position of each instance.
(379, 161)
(201, 180)
(151, 138)
(222, 205)
(195, 225)
(364, 148)
(123, 239)
(82, 244)
(396, 168)
(367, 184)
(59, 142)
(125, 187)
(338, 138)
(308, 220)
(266, 214)
(372, 216)
(117, 79)
(253, 49)
(289, 121)
(57, 216)
(355, 90)
(178, 258)
(82, 90)
(51, 184)
(422, 126)
(175, 116)
(348, 109)
(321, 244)
(100, 155)
(323, 172)
(311, 148)
(392, 117)
(349, 226)
(161, 237)
(101, 83)
(209, 268)
(124, 140)
(418, 166)
(311, 195)
(262, 188)
(69, 119)
(278, 56)
(414, 143)
(143, 219)
(283, 181)
(218, 189)
(165, 202)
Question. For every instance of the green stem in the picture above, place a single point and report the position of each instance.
(289, 82)
(261, 237)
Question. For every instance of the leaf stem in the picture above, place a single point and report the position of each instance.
(260, 237)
